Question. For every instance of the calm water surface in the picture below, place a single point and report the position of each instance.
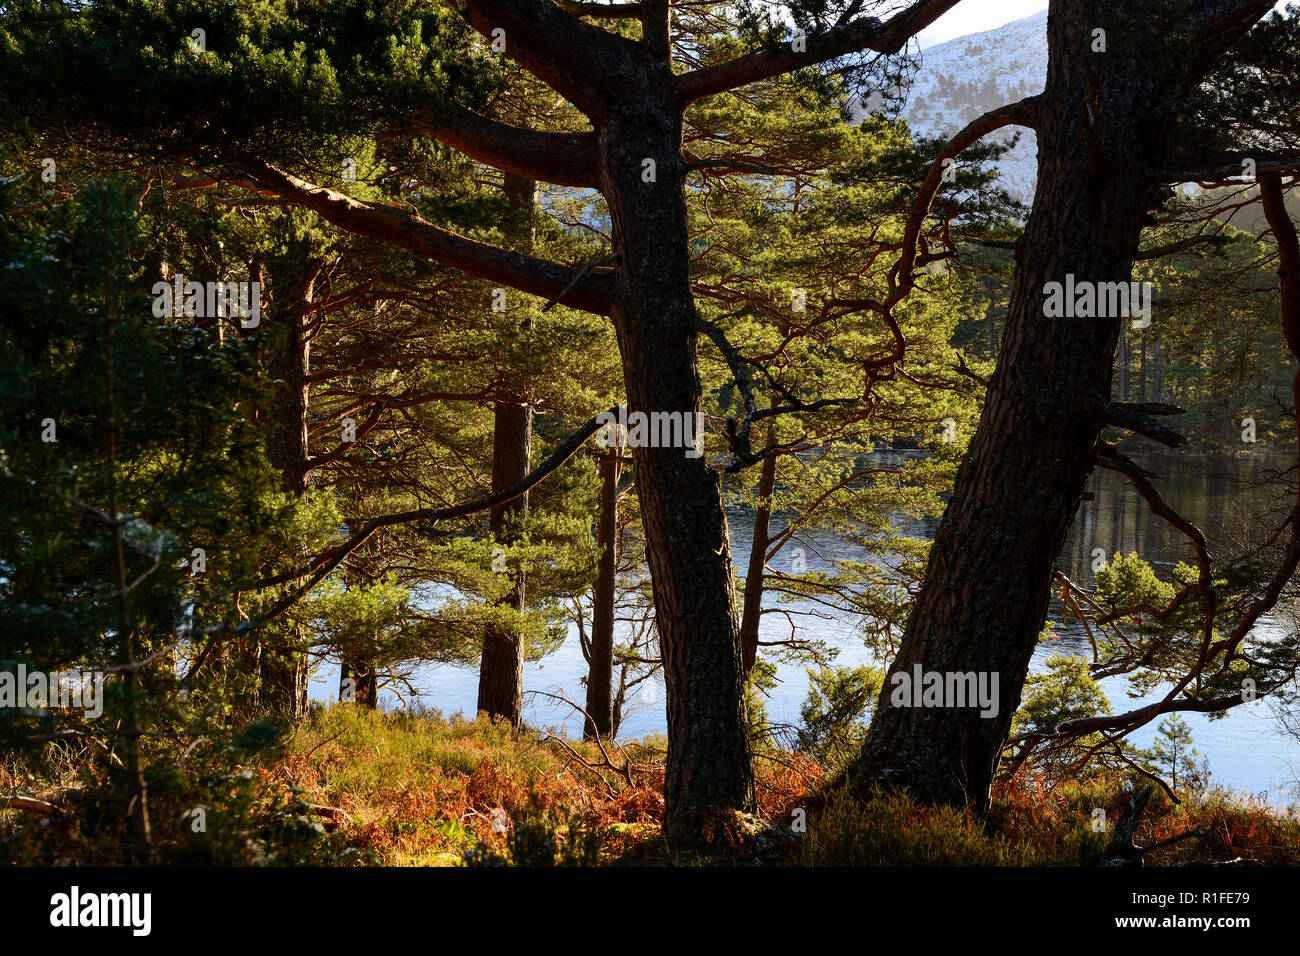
(1247, 750)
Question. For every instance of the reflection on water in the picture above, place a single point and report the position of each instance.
(1230, 499)
(1220, 494)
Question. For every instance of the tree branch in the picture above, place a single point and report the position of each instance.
(1223, 166)
(865, 34)
(586, 65)
(1138, 418)
(403, 227)
(330, 559)
(30, 804)
(565, 159)
(1288, 252)
(602, 11)
(1022, 113)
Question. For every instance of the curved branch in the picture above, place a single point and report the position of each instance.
(865, 34)
(1288, 252)
(331, 558)
(1136, 718)
(1022, 113)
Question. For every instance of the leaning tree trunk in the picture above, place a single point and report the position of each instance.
(708, 761)
(501, 669)
(989, 574)
(753, 607)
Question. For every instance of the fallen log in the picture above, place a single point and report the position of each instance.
(30, 804)
(1122, 851)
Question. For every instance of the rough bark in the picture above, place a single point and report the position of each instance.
(708, 761)
(282, 661)
(287, 443)
(600, 668)
(1103, 122)
(501, 668)
(284, 671)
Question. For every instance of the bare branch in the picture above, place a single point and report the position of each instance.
(330, 559)
(1135, 418)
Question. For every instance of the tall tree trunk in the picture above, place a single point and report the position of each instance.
(358, 676)
(987, 585)
(708, 763)
(137, 788)
(753, 606)
(287, 445)
(600, 671)
(501, 669)
(282, 661)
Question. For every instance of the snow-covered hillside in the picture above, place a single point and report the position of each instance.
(968, 76)
(965, 77)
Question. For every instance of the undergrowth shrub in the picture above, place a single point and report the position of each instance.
(893, 830)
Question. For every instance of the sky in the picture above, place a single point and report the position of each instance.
(975, 16)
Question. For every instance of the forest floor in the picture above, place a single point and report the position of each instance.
(355, 787)
(422, 790)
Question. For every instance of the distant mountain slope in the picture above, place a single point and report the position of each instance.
(966, 77)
